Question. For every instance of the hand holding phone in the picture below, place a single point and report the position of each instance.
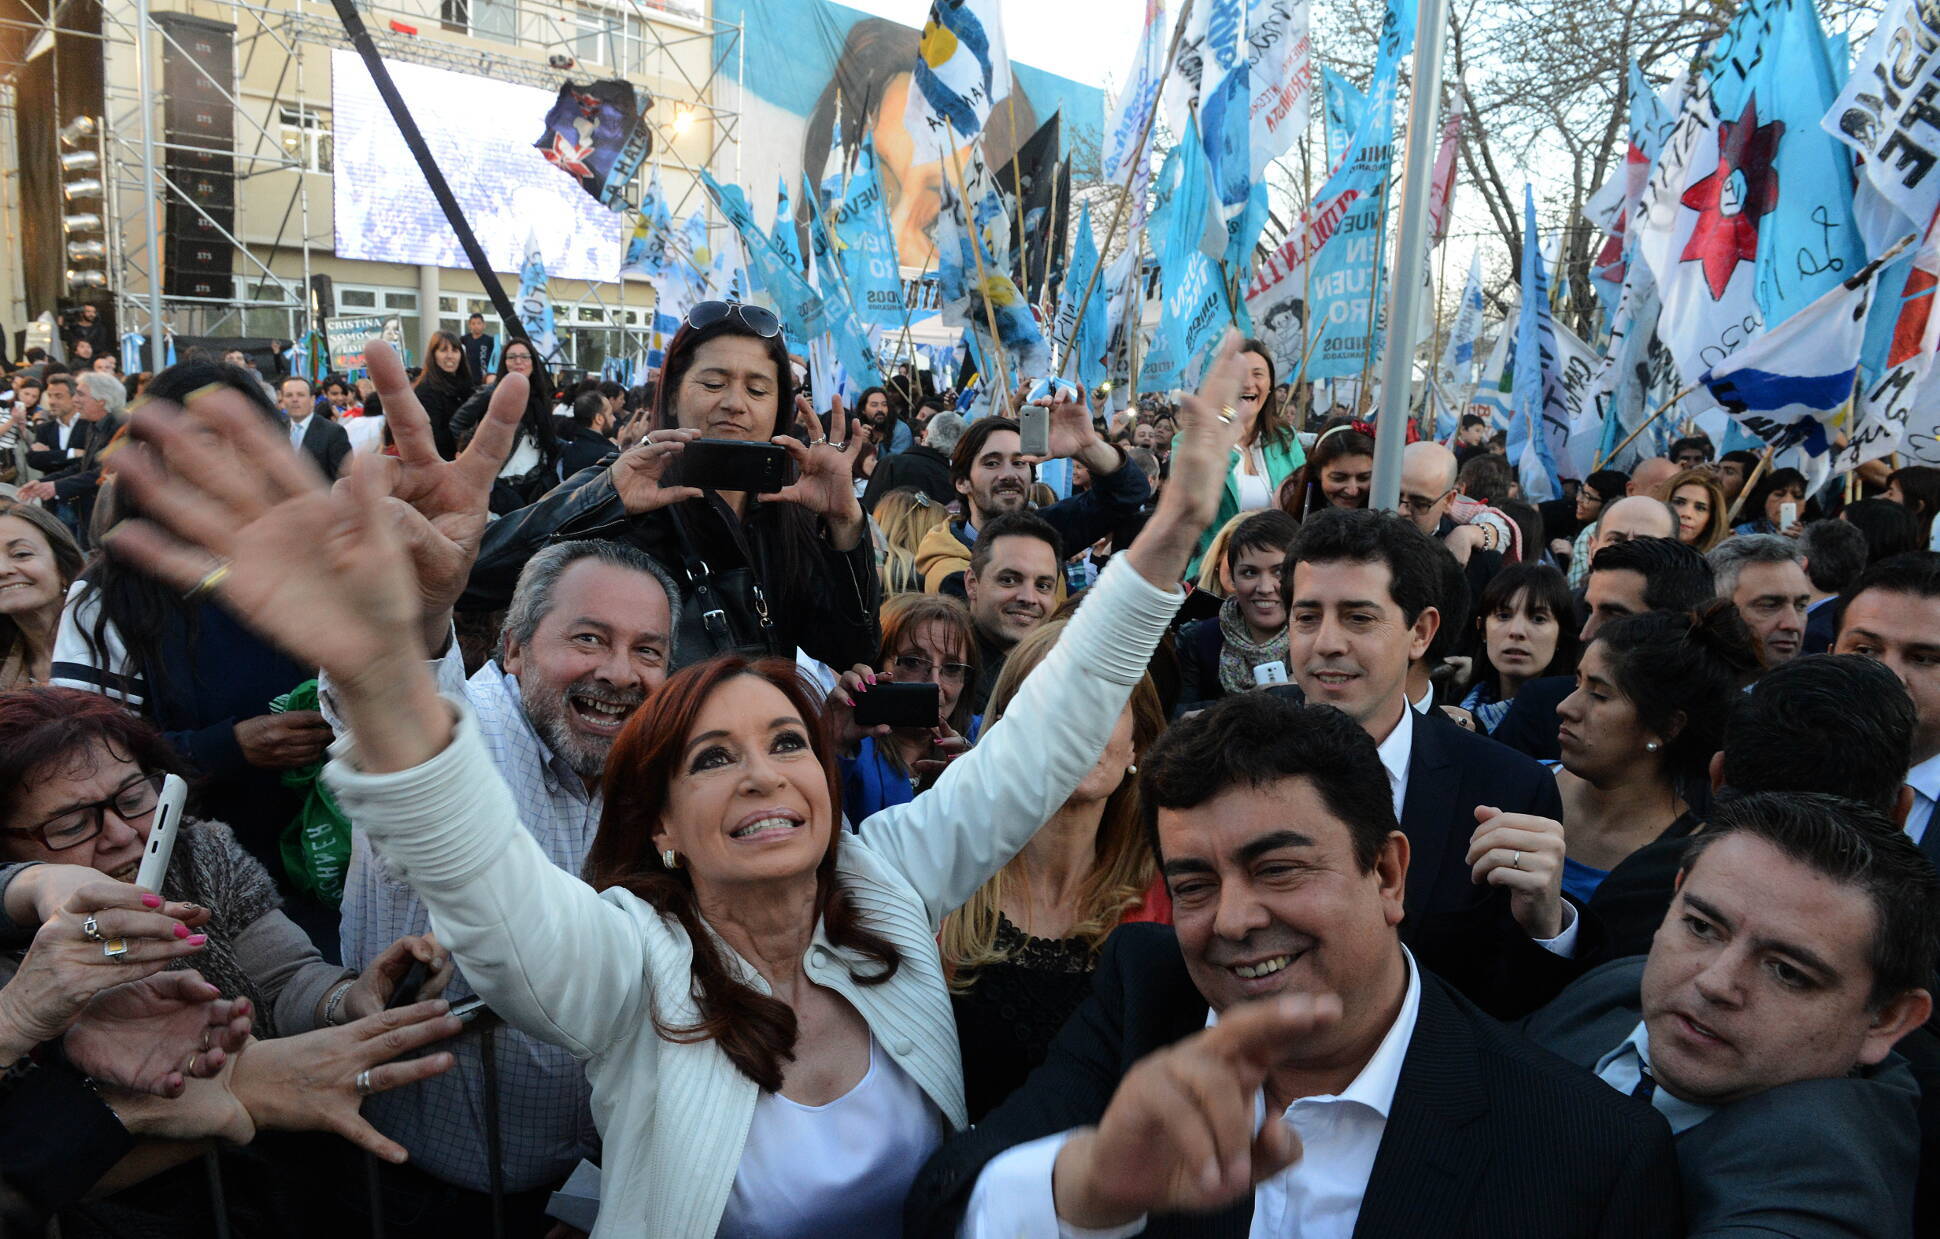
(892, 704)
(1034, 430)
(1788, 516)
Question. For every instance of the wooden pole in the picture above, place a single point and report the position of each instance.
(1118, 214)
(1757, 472)
(1630, 438)
(976, 252)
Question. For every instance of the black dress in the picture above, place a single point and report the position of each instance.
(1006, 1022)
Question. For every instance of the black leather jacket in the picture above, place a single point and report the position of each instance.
(826, 606)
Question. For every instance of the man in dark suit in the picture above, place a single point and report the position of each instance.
(1835, 555)
(1485, 904)
(1798, 950)
(478, 348)
(1893, 616)
(326, 442)
(1283, 993)
(1627, 577)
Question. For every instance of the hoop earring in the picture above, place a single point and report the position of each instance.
(670, 858)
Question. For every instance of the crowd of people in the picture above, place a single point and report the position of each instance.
(576, 843)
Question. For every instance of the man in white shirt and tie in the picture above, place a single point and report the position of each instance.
(1894, 616)
(325, 441)
(1276, 1062)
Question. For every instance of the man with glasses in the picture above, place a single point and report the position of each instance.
(1428, 487)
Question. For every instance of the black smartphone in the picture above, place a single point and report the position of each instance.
(731, 464)
(406, 992)
(898, 705)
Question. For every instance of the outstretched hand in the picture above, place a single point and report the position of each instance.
(1202, 456)
(320, 573)
(441, 506)
(153, 1035)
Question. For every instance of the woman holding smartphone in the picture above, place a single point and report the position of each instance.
(763, 573)
(758, 993)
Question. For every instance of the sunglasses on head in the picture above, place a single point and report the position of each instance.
(756, 319)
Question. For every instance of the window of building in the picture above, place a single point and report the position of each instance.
(306, 137)
(484, 19)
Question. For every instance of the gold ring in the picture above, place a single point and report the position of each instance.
(1227, 413)
(115, 948)
(208, 583)
(192, 1058)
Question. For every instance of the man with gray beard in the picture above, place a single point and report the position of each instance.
(588, 635)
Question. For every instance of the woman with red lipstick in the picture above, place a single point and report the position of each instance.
(1653, 692)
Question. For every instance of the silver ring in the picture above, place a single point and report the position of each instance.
(364, 1088)
(90, 930)
(1515, 862)
(1227, 413)
(818, 442)
(115, 948)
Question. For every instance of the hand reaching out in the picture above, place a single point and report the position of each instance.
(378, 983)
(825, 473)
(152, 1036)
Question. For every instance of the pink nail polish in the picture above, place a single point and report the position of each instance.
(181, 931)
(151, 901)
(197, 939)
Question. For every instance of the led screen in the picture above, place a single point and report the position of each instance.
(481, 134)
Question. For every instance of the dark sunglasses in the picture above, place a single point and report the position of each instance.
(756, 319)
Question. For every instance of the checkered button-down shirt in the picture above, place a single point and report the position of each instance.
(545, 1123)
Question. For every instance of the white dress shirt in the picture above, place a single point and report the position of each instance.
(1623, 1069)
(1924, 779)
(1318, 1197)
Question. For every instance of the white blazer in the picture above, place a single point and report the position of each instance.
(588, 971)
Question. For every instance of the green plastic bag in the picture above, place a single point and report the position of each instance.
(316, 843)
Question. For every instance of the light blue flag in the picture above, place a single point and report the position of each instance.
(961, 69)
(1343, 281)
(785, 237)
(802, 309)
(1085, 353)
(974, 221)
(868, 250)
(1344, 106)
(646, 250)
(845, 325)
(1773, 95)
(1535, 349)
(1196, 308)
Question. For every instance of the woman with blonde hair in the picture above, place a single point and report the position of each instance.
(1021, 950)
(902, 517)
(1699, 503)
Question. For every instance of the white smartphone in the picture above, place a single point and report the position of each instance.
(1788, 516)
(162, 829)
(1034, 429)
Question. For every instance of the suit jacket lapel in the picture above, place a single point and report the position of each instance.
(1432, 782)
(1426, 1166)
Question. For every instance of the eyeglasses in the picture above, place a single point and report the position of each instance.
(132, 802)
(756, 319)
(917, 664)
(1421, 505)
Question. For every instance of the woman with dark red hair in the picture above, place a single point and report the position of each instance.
(758, 994)
(760, 574)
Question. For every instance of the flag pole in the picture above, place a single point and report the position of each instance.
(1307, 335)
(976, 252)
(1630, 438)
(1757, 471)
(1138, 153)
(1397, 366)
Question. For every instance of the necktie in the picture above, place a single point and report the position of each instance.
(1646, 1086)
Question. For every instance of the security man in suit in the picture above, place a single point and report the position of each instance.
(326, 442)
(1278, 1061)
(1798, 950)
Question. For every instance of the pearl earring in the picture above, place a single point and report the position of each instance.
(1651, 746)
(670, 858)
(1132, 769)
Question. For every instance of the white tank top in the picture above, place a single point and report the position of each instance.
(1255, 489)
(839, 1169)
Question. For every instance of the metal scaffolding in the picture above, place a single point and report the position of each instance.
(552, 33)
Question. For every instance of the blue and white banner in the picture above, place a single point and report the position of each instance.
(535, 302)
(961, 69)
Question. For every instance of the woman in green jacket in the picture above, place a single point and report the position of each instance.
(1268, 450)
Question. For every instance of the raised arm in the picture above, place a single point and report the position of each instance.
(989, 803)
(346, 578)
